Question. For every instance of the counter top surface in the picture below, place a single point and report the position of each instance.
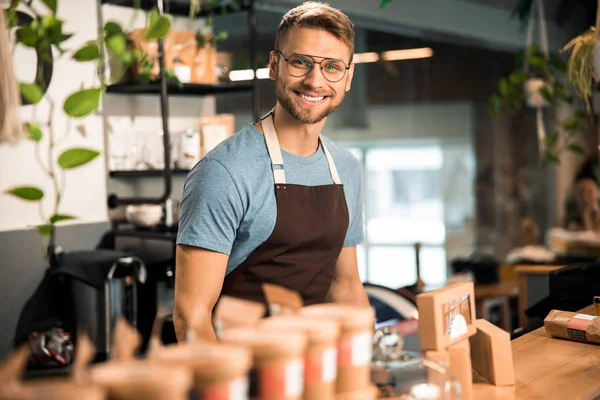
(548, 368)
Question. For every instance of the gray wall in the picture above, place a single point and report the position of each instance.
(22, 267)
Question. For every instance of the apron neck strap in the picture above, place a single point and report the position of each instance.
(277, 159)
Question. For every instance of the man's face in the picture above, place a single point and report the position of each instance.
(311, 97)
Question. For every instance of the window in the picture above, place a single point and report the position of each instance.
(406, 201)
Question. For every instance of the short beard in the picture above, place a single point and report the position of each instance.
(285, 99)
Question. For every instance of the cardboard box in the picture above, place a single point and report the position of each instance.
(214, 129)
(446, 315)
(438, 356)
(205, 61)
(181, 50)
(460, 364)
(491, 353)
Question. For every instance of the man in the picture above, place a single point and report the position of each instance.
(277, 202)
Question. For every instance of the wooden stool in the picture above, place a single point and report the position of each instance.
(496, 295)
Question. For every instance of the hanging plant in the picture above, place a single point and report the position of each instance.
(583, 67)
(538, 83)
(542, 86)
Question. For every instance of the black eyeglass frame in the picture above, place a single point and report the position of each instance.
(347, 67)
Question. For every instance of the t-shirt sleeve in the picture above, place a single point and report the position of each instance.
(211, 208)
(355, 234)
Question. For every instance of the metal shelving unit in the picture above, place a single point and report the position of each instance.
(163, 89)
(174, 89)
(145, 173)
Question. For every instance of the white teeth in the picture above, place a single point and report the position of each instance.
(315, 99)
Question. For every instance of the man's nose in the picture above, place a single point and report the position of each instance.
(315, 77)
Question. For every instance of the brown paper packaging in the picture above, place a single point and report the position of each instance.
(231, 312)
(282, 301)
(491, 353)
(574, 326)
(442, 314)
(460, 365)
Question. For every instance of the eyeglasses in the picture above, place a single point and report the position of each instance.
(299, 65)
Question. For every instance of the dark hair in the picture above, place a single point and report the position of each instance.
(312, 14)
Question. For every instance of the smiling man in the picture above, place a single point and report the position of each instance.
(277, 202)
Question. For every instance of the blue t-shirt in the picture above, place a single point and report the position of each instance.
(228, 202)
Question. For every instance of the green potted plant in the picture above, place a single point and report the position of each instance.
(540, 87)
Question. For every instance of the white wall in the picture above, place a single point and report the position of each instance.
(85, 194)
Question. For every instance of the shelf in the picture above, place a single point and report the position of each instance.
(181, 8)
(153, 173)
(187, 89)
(147, 234)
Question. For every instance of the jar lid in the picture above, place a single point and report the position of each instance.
(266, 343)
(52, 389)
(138, 373)
(350, 317)
(317, 330)
(212, 361)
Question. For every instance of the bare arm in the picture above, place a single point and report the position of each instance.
(346, 286)
(199, 276)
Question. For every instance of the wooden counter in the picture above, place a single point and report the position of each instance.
(548, 368)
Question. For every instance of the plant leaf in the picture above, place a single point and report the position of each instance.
(538, 61)
(551, 156)
(495, 105)
(29, 193)
(33, 131)
(517, 77)
(158, 26)
(27, 35)
(82, 103)
(546, 95)
(51, 4)
(572, 124)
(53, 27)
(552, 138)
(31, 92)
(576, 149)
(44, 230)
(384, 3)
(61, 217)
(88, 52)
(116, 43)
(76, 157)
(112, 28)
(504, 87)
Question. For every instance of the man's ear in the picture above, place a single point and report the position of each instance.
(272, 65)
(350, 76)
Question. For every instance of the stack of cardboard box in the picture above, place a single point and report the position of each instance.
(452, 336)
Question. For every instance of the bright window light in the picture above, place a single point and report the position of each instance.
(241, 75)
(360, 58)
(407, 54)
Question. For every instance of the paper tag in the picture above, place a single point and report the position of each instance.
(577, 326)
(356, 350)
(294, 378)
(321, 367)
(234, 390)
(458, 327)
(330, 364)
(282, 380)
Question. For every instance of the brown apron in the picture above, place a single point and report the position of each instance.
(307, 239)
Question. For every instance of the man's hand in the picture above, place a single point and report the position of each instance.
(346, 286)
(199, 275)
